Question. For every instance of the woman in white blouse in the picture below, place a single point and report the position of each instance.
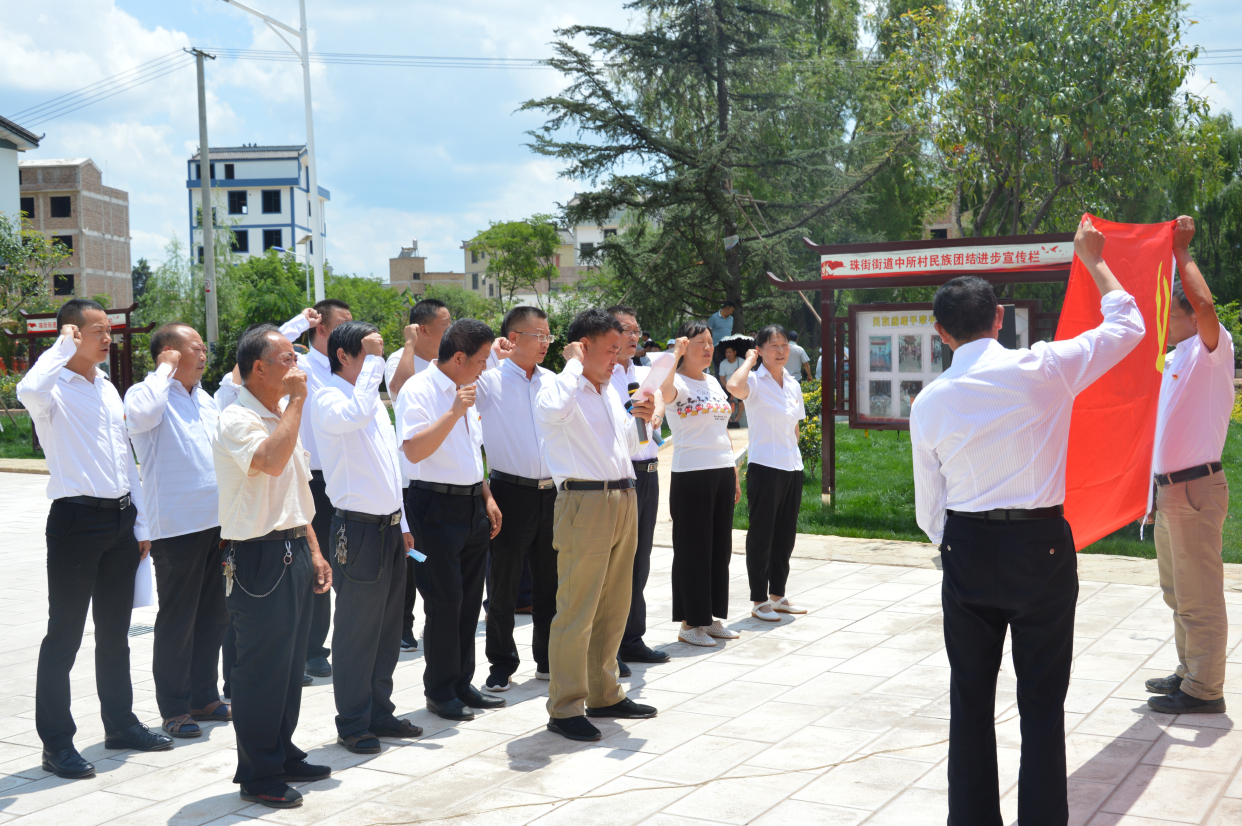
(704, 488)
(774, 479)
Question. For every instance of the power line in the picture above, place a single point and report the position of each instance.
(98, 85)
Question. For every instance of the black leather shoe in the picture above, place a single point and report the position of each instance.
(644, 654)
(409, 643)
(1164, 685)
(473, 698)
(303, 772)
(280, 797)
(1178, 702)
(627, 709)
(307, 680)
(396, 727)
(451, 709)
(575, 728)
(67, 763)
(137, 738)
(623, 670)
(365, 743)
(318, 667)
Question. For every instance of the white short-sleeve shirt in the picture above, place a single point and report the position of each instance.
(699, 419)
(773, 412)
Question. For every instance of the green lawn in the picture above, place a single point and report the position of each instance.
(875, 496)
(15, 441)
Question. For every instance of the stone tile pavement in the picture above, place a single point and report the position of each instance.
(836, 717)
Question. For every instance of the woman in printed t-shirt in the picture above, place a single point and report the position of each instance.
(704, 489)
(774, 407)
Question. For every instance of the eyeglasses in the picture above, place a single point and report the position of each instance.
(633, 332)
(539, 337)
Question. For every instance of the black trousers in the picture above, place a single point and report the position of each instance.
(228, 656)
(272, 623)
(1022, 576)
(453, 532)
(321, 619)
(92, 557)
(772, 499)
(525, 536)
(701, 504)
(191, 623)
(647, 489)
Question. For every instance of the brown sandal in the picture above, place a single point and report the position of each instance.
(210, 713)
(182, 726)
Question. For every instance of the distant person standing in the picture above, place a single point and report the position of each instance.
(727, 367)
(96, 536)
(719, 322)
(799, 362)
(1192, 494)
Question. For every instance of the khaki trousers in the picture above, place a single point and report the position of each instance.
(595, 534)
(1189, 519)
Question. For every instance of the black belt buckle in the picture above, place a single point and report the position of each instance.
(125, 502)
(395, 518)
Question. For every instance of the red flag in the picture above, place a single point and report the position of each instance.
(1113, 426)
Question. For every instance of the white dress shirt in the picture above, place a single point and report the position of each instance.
(424, 399)
(1196, 398)
(621, 379)
(357, 443)
(586, 432)
(505, 399)
(172, 432)
(409, 470)
(772, 413)
(991, 431)
(81, 425)
(227, 392)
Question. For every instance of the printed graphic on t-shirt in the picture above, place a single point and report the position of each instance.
(704, 404)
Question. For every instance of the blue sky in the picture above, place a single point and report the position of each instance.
(432, 154)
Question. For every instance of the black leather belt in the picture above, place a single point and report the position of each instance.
(1197, 472)
(524, 481)
(620, 484)
(369, 518)
(288, 533)
(95, 502)
(1013, 514)
(647, 466)
(454, 490)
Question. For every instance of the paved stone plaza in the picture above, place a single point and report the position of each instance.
(836, 717)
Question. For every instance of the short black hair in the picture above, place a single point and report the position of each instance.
(1179, 295)
(348, 337)
(692, 328)
(252, 346)
(74, 310)
(622, 309)
(425, 311)
(769, 332)
(167, 336)
(329, 307)
(520, 315)
(465, 336)
(793, 335)
(965, 307)
(592, 324)
(727, 304)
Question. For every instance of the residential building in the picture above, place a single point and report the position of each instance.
(261, 193)
(67, 201)
(588, 237)
(408, 271)
(13, 139)
(477, 279)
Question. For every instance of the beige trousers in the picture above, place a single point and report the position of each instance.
(595, 534)
(1189, 519)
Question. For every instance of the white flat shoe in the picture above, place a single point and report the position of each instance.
(719, 632)
(786, 607)
(543, 675)
(764, 612)
(696, 636)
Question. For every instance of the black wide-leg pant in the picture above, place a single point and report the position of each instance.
(191, 623)
(92, 557)
(525, 535)
(1020, 576)
(772, 499)
(647, 492)
(701, 504)
(321, 523)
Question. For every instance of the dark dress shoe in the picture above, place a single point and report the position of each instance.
(67, 763)
(396, 727)
(365, 743)
(303, 772)
(278, 797)
(623, 670)
(409, 643)
(472, 697)
(307, 680)
(1163, 685)
(137, 738)
(1178, 702)
(575, 728)
(453, 709)
(644, 654)
(318, 667)
(627, 709)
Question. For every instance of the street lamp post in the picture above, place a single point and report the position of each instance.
(316, 217)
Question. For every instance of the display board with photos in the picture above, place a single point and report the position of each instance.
(901, 354)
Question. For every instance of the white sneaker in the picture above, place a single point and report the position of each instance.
(720, 632)
(764, 612)
(786, 607)
(543, 675)
(695, 635)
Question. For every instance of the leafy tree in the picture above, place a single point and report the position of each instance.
(271, 288)
(520, 254)
(28, 262)
(372, 300)
(463, 303)
(140, 275)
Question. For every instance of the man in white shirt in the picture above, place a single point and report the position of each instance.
(989, 440)
(646, 490)
(451, 513)
(522, 486)
(1192, 495)
(369, 538)
(171, 421)
(96, 536)
(589, 441)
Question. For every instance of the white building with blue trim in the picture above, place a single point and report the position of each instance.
(261, 193)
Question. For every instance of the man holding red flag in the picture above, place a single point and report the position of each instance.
(1192, 496)
(990, 438)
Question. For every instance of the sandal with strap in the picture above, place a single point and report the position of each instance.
(182, 726)
(212, 713)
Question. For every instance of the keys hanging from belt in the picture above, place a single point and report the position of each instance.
(229, 570)
(342, 545)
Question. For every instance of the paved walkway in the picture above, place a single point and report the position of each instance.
(836, 717)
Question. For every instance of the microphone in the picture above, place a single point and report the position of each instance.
(639, 423)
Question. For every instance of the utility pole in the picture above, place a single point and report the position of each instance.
(208, 214)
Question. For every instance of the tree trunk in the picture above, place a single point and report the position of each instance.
(733, 257)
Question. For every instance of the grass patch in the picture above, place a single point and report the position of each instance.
(15, 440)
(875, 496)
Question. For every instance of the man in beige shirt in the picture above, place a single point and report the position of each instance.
(272, 564)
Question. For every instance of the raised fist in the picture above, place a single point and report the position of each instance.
(170, 357)
(464, 400)
(71, 332)
(295, 384)
(680, 345)
(1088, 242)
(312, 315)
(373, 344)
(412, 333)
(1183, 232)
(573, 350)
